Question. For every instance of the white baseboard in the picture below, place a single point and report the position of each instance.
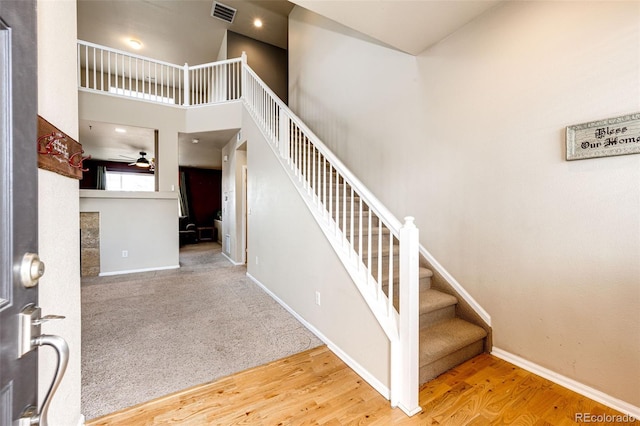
(231, 260)
(81, 420)
(353, 364)
(135, 271)
(582, 389)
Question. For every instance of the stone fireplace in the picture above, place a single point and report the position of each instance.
(89, 244)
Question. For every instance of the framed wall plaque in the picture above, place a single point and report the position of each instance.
(604, 138)
(58, 152)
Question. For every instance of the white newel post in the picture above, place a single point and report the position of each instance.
(187, 89)
(407, 366)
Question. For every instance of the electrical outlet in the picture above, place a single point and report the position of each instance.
(256, 260)
(318, 298)
(125, 253)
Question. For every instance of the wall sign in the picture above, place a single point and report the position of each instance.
(604, 138)
(57, 152)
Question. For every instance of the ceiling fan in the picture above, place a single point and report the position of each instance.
(142, 161)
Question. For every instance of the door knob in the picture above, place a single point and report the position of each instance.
(31, 270)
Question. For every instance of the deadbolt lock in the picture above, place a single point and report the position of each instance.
(31, 270)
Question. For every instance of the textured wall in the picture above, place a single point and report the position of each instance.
(59, 228)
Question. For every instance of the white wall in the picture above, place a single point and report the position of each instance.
(143, 224)
(290, 255)
(58, 216)
(472, 130)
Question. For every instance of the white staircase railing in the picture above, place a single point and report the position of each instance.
(360, 228)
(364, 234)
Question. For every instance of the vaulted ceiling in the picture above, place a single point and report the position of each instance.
(180, 31)
(410, 26)
(183, 31)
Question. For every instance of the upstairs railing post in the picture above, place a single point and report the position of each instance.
(243, 76)
(406, 364)
(187, 88)
(283, 134)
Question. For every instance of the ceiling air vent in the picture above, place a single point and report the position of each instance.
(222, 11)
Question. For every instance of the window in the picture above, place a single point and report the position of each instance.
(119, 181)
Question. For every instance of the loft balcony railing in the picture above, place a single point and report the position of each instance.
(121, 73)
(362, 231)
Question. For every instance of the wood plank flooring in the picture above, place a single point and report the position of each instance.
(317, 388)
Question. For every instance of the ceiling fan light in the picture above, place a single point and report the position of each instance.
(142, 162)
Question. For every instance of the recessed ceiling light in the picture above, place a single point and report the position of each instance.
(257, 23)
(120, 130)
(136, 44)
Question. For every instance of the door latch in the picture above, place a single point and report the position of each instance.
(31, 337)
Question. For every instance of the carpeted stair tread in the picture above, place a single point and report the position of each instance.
(447, 337)
(375, 249)
(425, 272)
(374, 232)
(423, 275)
(432, 300)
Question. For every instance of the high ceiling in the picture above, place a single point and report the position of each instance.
(178, 31)
(183, 31)
(410, 26)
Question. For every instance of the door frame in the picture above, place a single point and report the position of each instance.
(245, 219)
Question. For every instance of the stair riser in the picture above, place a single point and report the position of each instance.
(375, 245)
(385, 262)
(431, 318)
(434, 369)
(356, 219)
(423, 283)
(384, 257)
(347, 218)
(347, 206)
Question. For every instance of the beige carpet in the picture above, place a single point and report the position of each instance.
(149, 334)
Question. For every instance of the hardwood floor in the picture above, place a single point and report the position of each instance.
(317, 388)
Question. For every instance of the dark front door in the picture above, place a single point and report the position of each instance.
(18, 204)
